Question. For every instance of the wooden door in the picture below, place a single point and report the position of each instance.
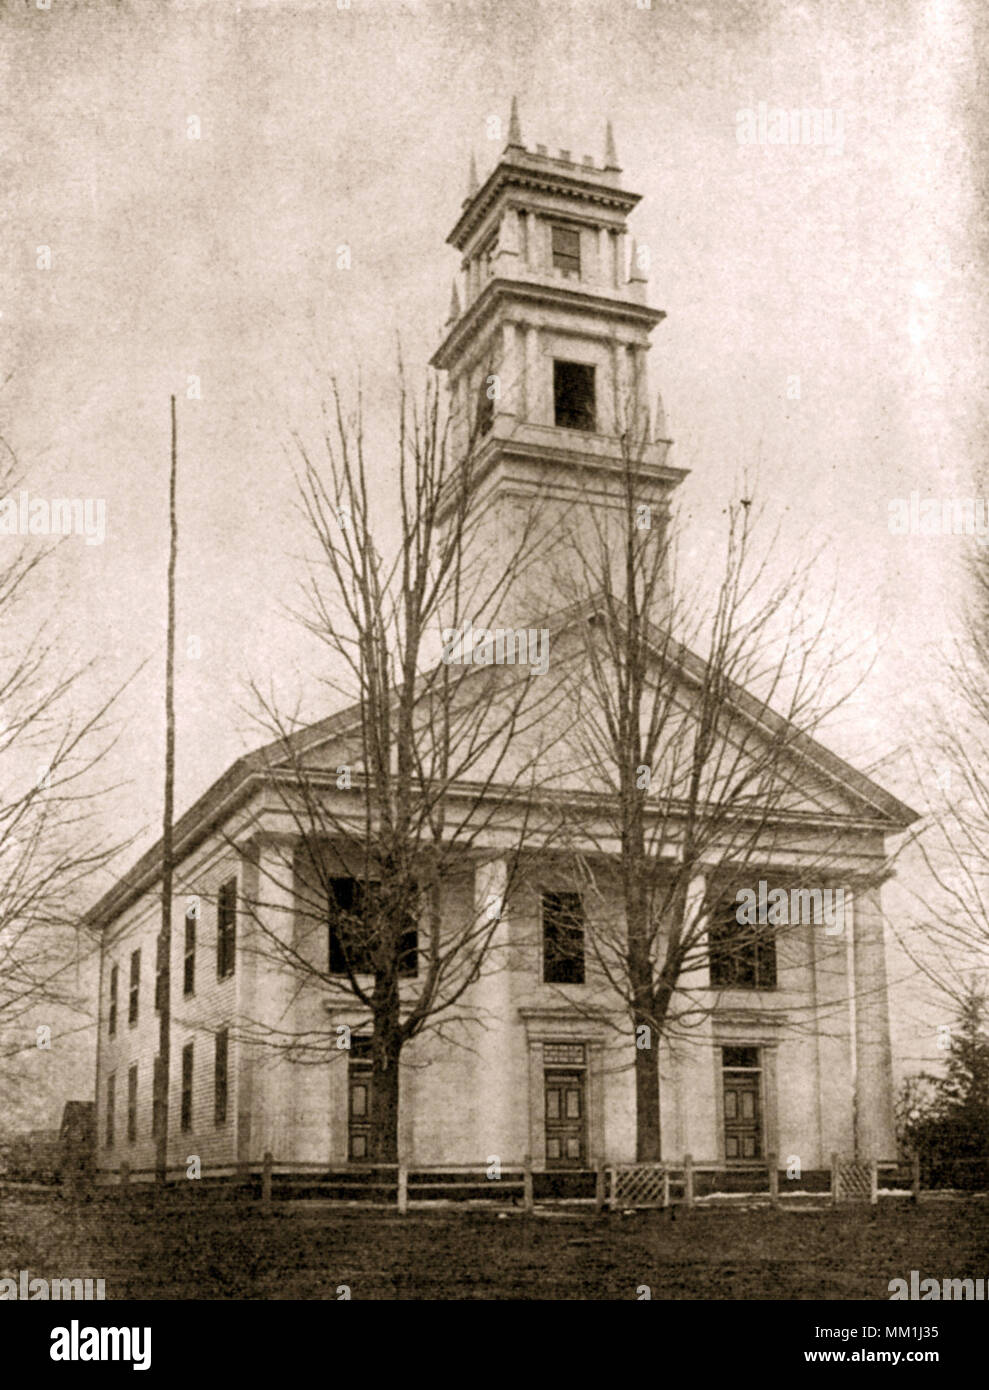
(566, 1125)
(743, 1120)
(359, 1100)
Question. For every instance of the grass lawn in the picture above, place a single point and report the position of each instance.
(224, 1249)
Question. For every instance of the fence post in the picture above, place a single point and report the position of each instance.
(124, 1172)
(613, 1188)
(266, 1180)
(528, 1202)
(688, 1181)
(666, 1188)
(834, 1180)
(915, 1166)
(403, 1189)
(599, 1186)
(874, 1182)
(774, 1180)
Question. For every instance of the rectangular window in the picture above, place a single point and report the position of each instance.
(566, 249)
(135, 985)
(573, 395)
(156, 1099)
(352, 930)
(220, 1078)
(189, 956)
(186, 1119)
(226, 929)
(111, 1088)
(563, 939)
(132, 1104)
(114, 981)
(161, 972)
(742, 1078)
(742, 954)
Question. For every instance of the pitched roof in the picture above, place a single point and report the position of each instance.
(251, 771)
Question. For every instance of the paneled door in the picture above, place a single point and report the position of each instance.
(743, 1122)
(359, 1100)
(566, 1125)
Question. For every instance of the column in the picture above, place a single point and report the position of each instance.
(538, 258)
(606, 258)
(698, 1059)
(498, 1071)
(507, 253)
(277, 985)
(637, 391)
(829, 960)
(616, 392)
(532, 409)
(875, 1135)
(531, 249)
(509, 371)
(242, 1083)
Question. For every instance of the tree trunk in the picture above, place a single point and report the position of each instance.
(640, 977)
(384, 1104)
(648, 1140)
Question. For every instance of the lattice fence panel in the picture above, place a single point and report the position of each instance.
(640, 1185)
(854, 1181)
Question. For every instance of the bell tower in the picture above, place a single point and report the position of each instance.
(546, 343)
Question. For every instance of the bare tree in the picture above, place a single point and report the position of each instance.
(428, 778)
(696, 755)
(947, 934)
(52, 847)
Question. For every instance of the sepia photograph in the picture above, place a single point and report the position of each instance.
(494, 693)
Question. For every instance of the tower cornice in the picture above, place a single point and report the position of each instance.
(544, 174)
(538, 293)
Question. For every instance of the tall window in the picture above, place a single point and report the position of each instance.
(563, 939)
(135, 985)
(131, 1104)
(114, 982)
(189, 956)
(226, 929)
(742, 1077)
(186, 1114)
(573, 395)
(161, 971)
(352, 930)
(220, 1077)
(111, 1098)
(485, 405)
(566, 249)
(742, 954)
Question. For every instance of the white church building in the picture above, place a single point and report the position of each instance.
(792, 1056)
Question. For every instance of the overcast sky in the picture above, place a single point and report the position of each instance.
(856, 267)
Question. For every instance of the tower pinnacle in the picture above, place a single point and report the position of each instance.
(454, 313)
(514, 127)
(610, 153)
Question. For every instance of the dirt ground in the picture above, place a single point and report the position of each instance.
(211, 1249)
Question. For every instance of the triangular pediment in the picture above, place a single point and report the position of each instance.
(806, 778)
